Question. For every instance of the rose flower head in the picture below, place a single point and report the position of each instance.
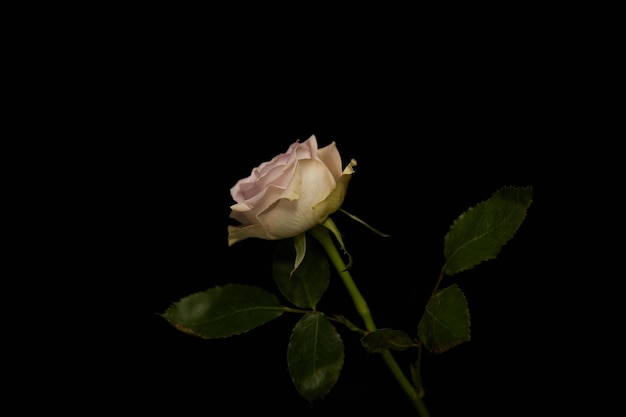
(291, 193)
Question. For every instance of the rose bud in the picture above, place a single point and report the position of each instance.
(291, 193)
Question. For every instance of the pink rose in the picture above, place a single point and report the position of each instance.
(289, 194)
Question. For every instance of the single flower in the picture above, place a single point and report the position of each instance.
(288, 195)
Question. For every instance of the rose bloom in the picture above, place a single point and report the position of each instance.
(291, 193)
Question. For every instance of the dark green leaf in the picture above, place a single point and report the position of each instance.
(224, 311)
(478, 234)
(315, 356)
(305, 286)
(381, 339)
(446, 321)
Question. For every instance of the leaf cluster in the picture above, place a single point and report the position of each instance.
(315, 352)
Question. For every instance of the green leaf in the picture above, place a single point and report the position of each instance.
(478, 234)
(381, 339)
(315, 356)
(446, 321)
(224, 311)
(305, 286)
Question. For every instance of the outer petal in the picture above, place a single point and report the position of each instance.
(238, 233)
(291, 217)
(332, 203)
(330, 156)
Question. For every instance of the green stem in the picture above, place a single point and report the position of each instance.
(323, 236)
(407, 387)
(442, 273)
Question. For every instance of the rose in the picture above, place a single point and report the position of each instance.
(289, 194)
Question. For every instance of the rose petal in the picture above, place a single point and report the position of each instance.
(308, 148)
(331, 158)
(247, 212)
(239, 233)
(332, 203)
(290, 217)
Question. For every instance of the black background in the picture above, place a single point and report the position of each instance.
(417, 170)
(435, 126)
